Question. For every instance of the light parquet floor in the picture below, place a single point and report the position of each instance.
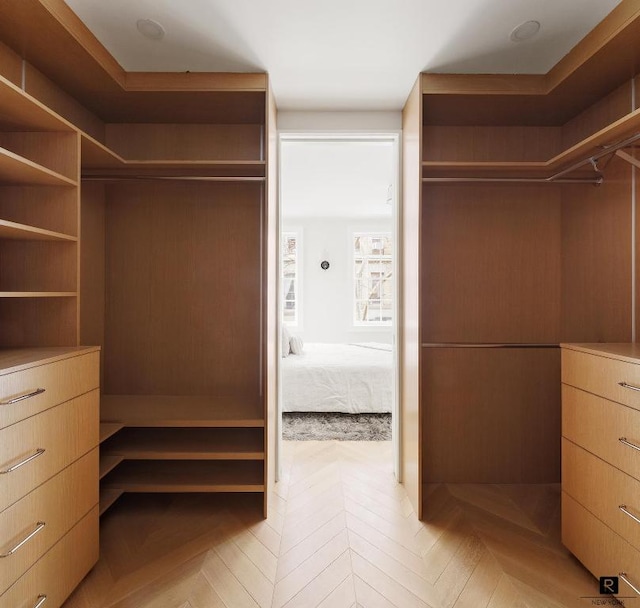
(342, 533)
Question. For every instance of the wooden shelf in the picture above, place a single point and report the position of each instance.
(617, 131)
(21, 112)
(108, 498)
(107, 429)
(182, 411)
(38, 294)
(22, 232)
(100, 161)
(15, 169)
(108, 461)
(187, 444)
(186, 476)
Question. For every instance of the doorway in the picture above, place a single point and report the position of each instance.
(338, 287)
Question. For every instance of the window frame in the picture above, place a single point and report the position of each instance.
(297, 234)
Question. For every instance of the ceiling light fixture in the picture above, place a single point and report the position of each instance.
(524, 31)
(150, 29)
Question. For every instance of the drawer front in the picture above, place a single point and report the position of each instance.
(61, 381)
(602, 376)
(602, 489)
(45, 515)
(602, 551)
(597, 425)
(46, 443)
(58, 572)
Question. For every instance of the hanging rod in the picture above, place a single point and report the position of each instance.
(208, 178)
(556, 178)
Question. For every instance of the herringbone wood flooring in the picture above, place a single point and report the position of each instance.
(342, 534)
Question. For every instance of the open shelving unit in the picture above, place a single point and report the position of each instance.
(39, 216)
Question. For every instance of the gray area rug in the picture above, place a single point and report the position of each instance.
(307, 426)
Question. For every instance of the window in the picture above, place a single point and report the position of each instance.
(290, 277)
(373, 265)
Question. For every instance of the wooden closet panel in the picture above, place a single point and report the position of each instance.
(596, 258)
(38, 266)
(43, 207)
(601, 114)
(10, 65)
(490, 264)
(183, 286)
(491, 415)
(92, 264)
(38, 322)
(490, 143)
(186, 142)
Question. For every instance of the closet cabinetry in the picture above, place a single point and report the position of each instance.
(516, 226)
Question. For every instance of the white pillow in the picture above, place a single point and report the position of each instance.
(296, 345)
(286, 339)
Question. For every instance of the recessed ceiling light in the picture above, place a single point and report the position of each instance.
(150, 29)
(524, 31)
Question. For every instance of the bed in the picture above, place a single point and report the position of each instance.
(347, 378)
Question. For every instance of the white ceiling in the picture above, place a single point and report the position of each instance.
(337, 178)
(341, 54)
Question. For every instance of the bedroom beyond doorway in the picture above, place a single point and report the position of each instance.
(338, 286)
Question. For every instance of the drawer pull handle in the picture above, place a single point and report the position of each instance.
(39, 452)
(628, 443)
(41, 600)
(39, 526)
(624, 509)
(623, 576)
(631, 387)
(38, 391)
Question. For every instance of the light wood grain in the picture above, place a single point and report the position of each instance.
(78, 484)
(23, 232)
(185, 411)
(491, 415)
(25, 358)
(602, 491)
(491, 262)
(188, 476)
(108, 429)
(410, 219)
(15, 169)
(65, 432)
(195, 330)
(604, 553)
(62, 373)
(10, 65)
(187, 444)
(108, 499)
(596, 424)
(60, 570)
(601, 376)
(596, 259)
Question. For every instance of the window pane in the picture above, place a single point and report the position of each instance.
(373, 269)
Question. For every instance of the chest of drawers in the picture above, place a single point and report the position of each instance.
(601, 459)
(49, 435)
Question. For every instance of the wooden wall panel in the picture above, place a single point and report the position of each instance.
(10, 65)
(43, 207)
(50, 94)
(596, 260)
(409, 288)
(186, 142)
(491, 143)
(92, 264)
(609, 109)
(183, 267)
(491, 264)
(491, 415)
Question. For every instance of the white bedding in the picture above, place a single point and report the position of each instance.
(348, 378)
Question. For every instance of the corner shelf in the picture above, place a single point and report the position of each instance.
(108, 429)
(186, 476)
(98, 161)
(596, 143)
(38, 294)
(182, 411)
(108, 498)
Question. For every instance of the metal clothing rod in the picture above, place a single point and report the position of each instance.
(171, 178)
(486, 345)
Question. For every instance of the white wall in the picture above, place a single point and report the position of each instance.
(335, 122)
(327, 295)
